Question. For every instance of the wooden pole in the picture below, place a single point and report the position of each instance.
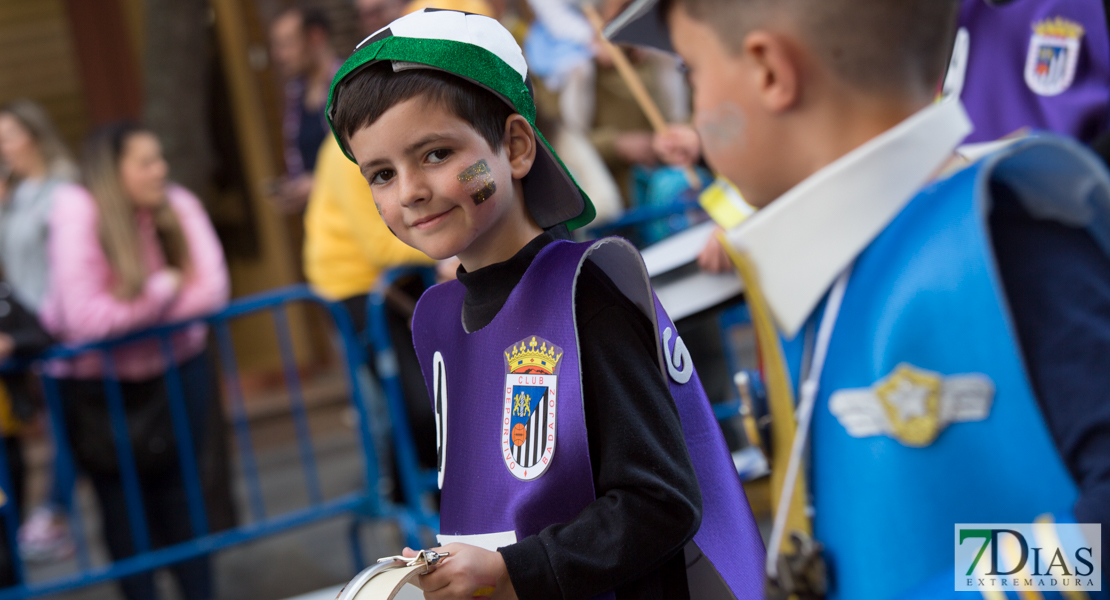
(257, 345)
(635, 85)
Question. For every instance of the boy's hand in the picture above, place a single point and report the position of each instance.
(679, 145)
(635, 147)
(469, 572)
(291, 195)
(713, 258)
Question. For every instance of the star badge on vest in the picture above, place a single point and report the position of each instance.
(528, 428)
(1053, 56)
(913, 405)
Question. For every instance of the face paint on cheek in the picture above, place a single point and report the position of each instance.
(477, 180)
(378, 206)
(722, 128)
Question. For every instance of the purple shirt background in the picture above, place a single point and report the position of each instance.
(995, 91)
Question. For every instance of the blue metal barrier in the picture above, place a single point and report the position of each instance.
(736, 315)
(364, 503)
(416, 482)
(637, 217)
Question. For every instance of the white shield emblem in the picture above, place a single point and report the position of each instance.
(1053, 56)
(529, 419)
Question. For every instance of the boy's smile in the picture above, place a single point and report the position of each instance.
(441, 188)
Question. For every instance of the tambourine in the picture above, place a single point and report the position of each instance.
(384, 580)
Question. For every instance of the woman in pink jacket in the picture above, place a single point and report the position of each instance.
(131, 252)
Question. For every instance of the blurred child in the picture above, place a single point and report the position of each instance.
(936, 320)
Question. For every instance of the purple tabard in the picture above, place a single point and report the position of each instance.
(728, 536)
(1028, 67)
(479, 493)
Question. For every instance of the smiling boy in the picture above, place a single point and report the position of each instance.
(933, 330)
(575, 441)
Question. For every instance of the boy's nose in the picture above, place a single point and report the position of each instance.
(414, 188)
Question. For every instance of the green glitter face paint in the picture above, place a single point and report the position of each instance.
(478, 181)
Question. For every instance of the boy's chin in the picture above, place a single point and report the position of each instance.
(436, 251)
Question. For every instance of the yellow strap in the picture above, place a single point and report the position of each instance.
(1050, 538)
(780, 397)
(724, 204)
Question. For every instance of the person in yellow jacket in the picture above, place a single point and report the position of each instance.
(347, 248)
(478, 7)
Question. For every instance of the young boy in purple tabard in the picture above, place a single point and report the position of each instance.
(578, 456)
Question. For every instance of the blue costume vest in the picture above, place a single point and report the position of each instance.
(925, 416)
(514, 451)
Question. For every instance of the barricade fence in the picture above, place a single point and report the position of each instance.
(386, 429)
(367, 502)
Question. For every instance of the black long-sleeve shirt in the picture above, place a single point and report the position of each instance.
(648, 505)
(1057, 282)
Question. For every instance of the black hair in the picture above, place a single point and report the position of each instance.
(365, 96)
(311, 18)
(112, 136)
(871, 44)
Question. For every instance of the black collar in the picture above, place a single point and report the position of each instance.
(488, 288)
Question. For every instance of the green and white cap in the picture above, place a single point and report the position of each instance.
(477, 49)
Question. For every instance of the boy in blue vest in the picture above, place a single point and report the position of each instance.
(577, 453)
(933, 331)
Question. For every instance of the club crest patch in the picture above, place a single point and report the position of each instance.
(528, 422)
(913, 405)
(1053, 56)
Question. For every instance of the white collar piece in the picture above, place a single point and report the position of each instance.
(803, 240)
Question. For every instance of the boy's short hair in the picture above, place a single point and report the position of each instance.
(880, 45)
(367, 95)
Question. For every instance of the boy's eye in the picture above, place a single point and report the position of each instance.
(381, 177)
(438, 156)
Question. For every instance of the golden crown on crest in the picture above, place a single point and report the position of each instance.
(1059, 28)
(528, 356)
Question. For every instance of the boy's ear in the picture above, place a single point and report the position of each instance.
(774, 68)
(520, 144)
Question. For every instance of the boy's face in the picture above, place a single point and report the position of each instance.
(739, 138)
(436, 182)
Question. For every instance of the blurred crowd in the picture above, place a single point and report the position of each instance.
(95, 250)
